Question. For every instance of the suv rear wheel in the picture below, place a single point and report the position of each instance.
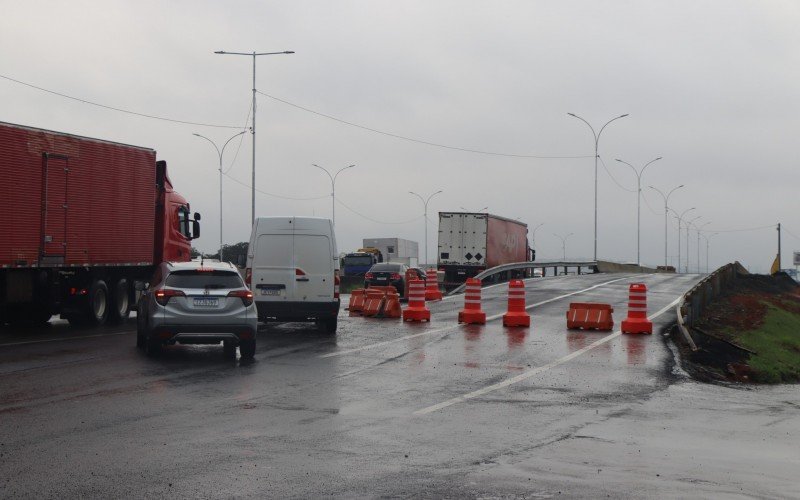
(247, 348)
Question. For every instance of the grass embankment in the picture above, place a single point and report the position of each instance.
(776, 344)
(752, 333)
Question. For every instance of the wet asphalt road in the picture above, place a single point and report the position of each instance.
(393, 409)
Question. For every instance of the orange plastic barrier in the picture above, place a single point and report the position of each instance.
(391, 308)
(356, 305)
(472, 314)
(416, 310)
(432, 285)
(516, 315)
(373, 306)
(637, 321)
(590, 316)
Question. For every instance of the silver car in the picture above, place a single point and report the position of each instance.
(197, 303)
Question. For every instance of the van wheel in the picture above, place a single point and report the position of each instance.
(331, 325)
(120, 301)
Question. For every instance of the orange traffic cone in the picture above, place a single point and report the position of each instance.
(373, 305)
(391, 308)
(472, 313)
(416, 310)
(432, 285)
(637, 321)
(516, 315)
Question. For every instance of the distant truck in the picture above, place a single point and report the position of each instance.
(472, 242)
(397, 250)
(84, 220)
(358, 263)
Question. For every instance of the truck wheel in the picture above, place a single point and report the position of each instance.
(97, 303)
(120, 302)
(247, 348)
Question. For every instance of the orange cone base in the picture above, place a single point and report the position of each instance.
(472, 317)
(517, 319)
(433, 295)
(637, 325)
(355, 313)
(416, 315)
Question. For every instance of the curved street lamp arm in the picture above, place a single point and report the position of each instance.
(340, 171)
(324, 170)
(594, 134)
(609, 121)
(212, 143)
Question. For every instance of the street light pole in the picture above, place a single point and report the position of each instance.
(533, 235)
(220, 152)
(253, 127)
(638, 204)
(563, 245)
(333, 187)
(697, 228)
(596, 143)
(425, 204)
(666, 209)
(680, 218)
(688, 224)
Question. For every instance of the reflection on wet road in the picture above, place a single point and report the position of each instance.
(388, 408)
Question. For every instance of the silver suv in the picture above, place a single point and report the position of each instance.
(197, 303)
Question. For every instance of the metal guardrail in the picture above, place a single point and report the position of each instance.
(694, 301)
(514, 266)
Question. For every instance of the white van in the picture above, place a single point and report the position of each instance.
(292, 269)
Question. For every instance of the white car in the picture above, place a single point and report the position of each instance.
(292, 269)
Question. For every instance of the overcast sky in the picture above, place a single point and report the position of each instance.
(710, 86)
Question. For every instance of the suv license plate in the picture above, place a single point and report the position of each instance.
(206, 302)
(270, 291)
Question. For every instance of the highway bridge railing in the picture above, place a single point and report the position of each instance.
(694, 302)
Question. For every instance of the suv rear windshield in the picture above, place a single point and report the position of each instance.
(386, 267)
(204, 279)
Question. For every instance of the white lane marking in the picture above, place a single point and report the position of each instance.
(67, 338)
(535, 371)
(455, 327)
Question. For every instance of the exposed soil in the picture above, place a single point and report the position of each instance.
(742, 309)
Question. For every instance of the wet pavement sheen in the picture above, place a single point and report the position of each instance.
(394, 409)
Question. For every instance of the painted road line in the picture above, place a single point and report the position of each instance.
(457, 326)
(67, 338)
(535, 371)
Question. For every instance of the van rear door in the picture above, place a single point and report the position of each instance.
(273, 274)
(314, 268)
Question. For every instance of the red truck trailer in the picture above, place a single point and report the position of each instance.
(84, 220)
(472, 242)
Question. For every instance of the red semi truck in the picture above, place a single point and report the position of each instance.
(472, 242)
(84, 220)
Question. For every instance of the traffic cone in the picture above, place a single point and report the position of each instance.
(432, 285)
(472, 313)
(373, 306)
(392, 309)
(516, 315)
(637, 321)
(416, 310)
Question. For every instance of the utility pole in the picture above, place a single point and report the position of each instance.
(779, 246)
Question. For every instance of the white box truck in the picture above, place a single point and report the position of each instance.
(395, 250)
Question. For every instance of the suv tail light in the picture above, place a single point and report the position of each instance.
(164, 294)
(395, 276)
(245, 295)
(248, 276)
(369, 276)
(336, 282)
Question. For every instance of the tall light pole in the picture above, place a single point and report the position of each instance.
(333, 187)
(533, 235)
(425, 204)
(596, 143)
(253, 127)
(680, 218)
(689, 223)
(666, 209)
(697, 228)
(708, 238)
(638, 204)
(563, 245)
(220, 152)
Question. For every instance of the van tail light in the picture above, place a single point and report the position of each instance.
(248, 276)
(336, 282)
(299, 272)
(164, 294)
(369, 276)
(245, 295)
(395, 276)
